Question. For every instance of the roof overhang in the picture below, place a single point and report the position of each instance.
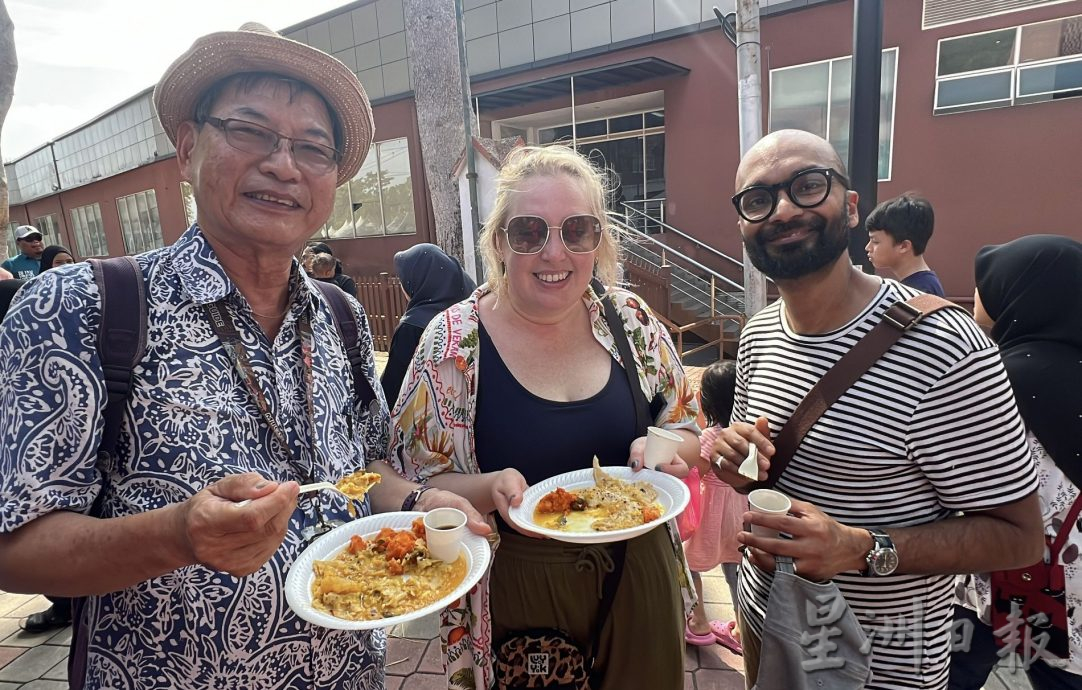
(586, 80)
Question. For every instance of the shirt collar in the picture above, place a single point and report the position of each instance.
(205, 281)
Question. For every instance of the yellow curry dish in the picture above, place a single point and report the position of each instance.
(609, 505)
(388, 574)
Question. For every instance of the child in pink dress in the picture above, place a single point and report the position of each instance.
(714, 542)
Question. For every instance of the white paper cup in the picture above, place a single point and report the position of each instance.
(444, 529)
(661, 445)
(770, 502)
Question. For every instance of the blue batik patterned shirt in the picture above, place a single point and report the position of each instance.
(190, 421)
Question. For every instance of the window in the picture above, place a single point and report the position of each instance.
(50, 229)
(599, 130)
(815, 98)
(1023, 64)
(379, 199)
(13, 248)
(139, 221)
(89, 231)
(943, 12)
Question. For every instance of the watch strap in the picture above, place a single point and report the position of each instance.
(412, 498)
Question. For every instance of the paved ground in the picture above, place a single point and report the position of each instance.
(39, 662)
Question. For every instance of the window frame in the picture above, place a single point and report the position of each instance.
(12, 247)
(374, 153)
(1015, 69)
(925, 26)
(49, 227)
(829, 98)
(143, 236)
(92, 245)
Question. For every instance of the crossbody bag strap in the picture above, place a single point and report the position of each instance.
(608, 595)
(623, 346)
(1066, 529)
(899, 318)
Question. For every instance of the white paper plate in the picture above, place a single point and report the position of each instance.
(300, 576)
(672, 495)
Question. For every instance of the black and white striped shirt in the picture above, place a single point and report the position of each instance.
(929, 430)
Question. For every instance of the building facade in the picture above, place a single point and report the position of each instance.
(980, 112)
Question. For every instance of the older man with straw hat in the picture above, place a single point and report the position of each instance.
(180, 534)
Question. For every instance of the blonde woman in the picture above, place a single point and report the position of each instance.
(523, 381)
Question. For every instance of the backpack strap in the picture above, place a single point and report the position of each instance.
(122, 339)
(345, 321)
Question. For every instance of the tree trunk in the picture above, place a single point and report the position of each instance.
(432, 37)
(8, 66)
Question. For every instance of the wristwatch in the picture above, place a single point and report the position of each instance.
(413, 496)
(883, 558)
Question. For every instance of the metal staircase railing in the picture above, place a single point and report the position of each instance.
(715, 300)
(641, 219)
(695, 286)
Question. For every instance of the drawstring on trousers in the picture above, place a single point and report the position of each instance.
(596, 558)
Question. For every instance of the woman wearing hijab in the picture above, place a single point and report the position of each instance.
(1029, 295)
(53, 256)
(432, 281)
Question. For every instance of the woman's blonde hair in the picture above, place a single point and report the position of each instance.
(527, 162)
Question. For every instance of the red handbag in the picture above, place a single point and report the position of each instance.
(1029, 605)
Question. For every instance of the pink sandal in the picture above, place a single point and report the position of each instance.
(723, 634)
(698, 640)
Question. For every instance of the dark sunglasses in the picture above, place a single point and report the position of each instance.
(581, 234)
(806, 189)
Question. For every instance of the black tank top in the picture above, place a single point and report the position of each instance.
(543, 438)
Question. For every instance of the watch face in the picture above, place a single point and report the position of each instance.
(885, 562)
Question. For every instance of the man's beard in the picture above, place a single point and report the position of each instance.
(788, 262)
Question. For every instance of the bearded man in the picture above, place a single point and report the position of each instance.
(880, 482)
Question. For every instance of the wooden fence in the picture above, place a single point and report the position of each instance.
(384, 302)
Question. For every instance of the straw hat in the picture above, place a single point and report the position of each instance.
(255, 48)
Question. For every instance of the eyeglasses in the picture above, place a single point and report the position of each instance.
(249, 137)
(581, 234)
(806, 189)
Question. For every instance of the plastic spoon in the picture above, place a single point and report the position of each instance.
(750, 467)
(311, 489)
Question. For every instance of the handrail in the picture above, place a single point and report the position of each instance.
(669, 228)
(624, 227)
(718, 320)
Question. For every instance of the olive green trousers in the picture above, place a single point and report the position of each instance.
(538, 583)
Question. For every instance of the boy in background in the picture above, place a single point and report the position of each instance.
(898, 234)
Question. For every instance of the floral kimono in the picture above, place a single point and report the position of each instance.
(432, 432)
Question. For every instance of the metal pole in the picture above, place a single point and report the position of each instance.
(574, 128)
(864, 119)
(471, 159)
(750, 100)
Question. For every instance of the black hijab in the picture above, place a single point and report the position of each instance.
(1032, 289)
(49, 255)
(433, 280)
